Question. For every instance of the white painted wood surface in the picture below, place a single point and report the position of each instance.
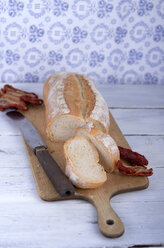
(28, 222)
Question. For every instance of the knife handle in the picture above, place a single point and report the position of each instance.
(61, 183)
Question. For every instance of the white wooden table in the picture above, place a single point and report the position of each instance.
(28, 222)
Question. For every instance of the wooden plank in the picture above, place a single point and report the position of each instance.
(134, 96)
(6, 126)
(17, 184)
(13, 153)
(117, 96)
(140, 121)
(130, 121)
(54, 225)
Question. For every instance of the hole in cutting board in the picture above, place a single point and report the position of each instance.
(110, 222)
(68, 193)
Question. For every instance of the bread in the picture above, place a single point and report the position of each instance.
(106, 146)
(71, 99)
(82, 165)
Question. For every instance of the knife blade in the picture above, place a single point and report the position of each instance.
(60, 181)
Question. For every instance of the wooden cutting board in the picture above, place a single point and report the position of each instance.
(108, 221)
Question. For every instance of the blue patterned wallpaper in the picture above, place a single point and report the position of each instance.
(110, 41)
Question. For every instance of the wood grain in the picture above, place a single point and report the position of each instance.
(146, 122)
(109, 222)
(12, 150)
(131, 122)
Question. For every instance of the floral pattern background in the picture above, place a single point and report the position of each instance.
(110, 41)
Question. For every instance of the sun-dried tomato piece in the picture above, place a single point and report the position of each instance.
(10, 89)
(9, 101)
(1, 93)
(11, 97)
(133, 157)
(135, 170)
(32, 100)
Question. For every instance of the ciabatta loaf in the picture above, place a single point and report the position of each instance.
(105, 144)
(69, 100)
(82, 165)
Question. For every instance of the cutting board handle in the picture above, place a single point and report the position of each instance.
(108, 221)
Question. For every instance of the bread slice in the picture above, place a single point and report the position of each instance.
(82, 165)
(63, 128)
(105, 144)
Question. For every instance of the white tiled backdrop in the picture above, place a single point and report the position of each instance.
(112, 41)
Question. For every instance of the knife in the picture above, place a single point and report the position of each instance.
(61, 183)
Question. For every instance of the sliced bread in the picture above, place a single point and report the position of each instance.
(82, 165)
(105, 144)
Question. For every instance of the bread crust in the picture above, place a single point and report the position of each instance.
(74, 95)
(80, 183)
